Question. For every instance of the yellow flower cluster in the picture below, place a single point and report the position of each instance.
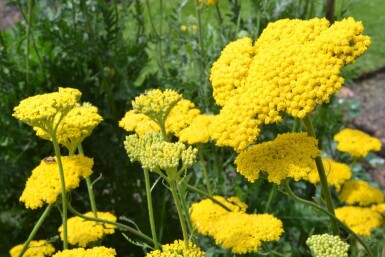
(82, 232)
(326, 245)
(380, 208)
(40, 110)
(292, 67)
(208, 2)
(356, 143)
(43, 186)
(197, 132)
(205, 213)
(290, 155)
(154, 153)
(234, 230)
(100, 251)
(337, 173)
(138, 123)
(181, 116)
(361, 220)
(177, 249)
(75, 126)
(360, 192)
(38, 248)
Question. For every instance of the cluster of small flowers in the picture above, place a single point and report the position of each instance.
(100, 251)
(326, 245)
(290, 155)
(177, 249)
(207, 2)
(82, 232)
(357, 143)
(235, 230)
(197, 131)
(360, 192)
(37, 248)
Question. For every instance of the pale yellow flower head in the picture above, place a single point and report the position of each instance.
(138, 123)
(356, 143)
(290, 155)
(205, 213)
(337, 173)
(177, 249)
(197, 131)
(42, 110)
(44, 186)
(99, 251)
(361, 193)
(208, 2)
(361, 220)
(292, 67)
(83, 232)
(39, 248)
(327, 245)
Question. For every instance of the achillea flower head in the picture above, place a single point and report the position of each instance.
(244, 233)
(42, 110)
(82, 232)
(181, 116)
(44, 186)
(39, 248)
(75, 126)
(290, 155)
(380, 208)
(177, 249)
(361, 220)
(198, 131)
(208, 2)
(326, 245)
(100, 251)
(294, 66)
(154, 153)
(360, 192)
(337, 173)
(138, 123)
(356, 143)
(206, 213)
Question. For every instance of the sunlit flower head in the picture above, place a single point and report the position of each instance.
(197, 131)
(44, 186)
(361, 220)
(327, 245)
(177, 249)
(181, 116)
(42, 110)
(244, 233)
(337, 173)
(356, 143)
(82, 232)
(290, 155)
(40, 248)
(361, 193)
(205, 213)
(293, 66)
(138, 123)
(208, 2)
(99, 251)
(380, 208)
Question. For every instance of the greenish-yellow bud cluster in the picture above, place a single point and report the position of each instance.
(326, 245)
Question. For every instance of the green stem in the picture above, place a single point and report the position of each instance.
(272, 194)
(196, 190)
(219, 14)
(323, 179)
(180, 213)
(117, 224)
(35, 229)
(200, 32)
(205, 174)
(63, 187)
(150, 209)
(331, 215)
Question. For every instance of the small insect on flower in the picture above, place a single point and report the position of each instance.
(49, 160)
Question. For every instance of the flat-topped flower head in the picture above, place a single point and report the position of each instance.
(360, 219)
(380, 208)
(290, 155)
(205, 213)
(44, 186)
(326, 245)
(156, 104)
(177, 249)
(42, 110)
(154, 153)
(99, 251)
(83, 232)
(357, 143)
(37, 248)
(75, 126)
(138, 123)
(337, 173)
(181, 116)
(292, 67)
(198, 131)
(361, 193)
